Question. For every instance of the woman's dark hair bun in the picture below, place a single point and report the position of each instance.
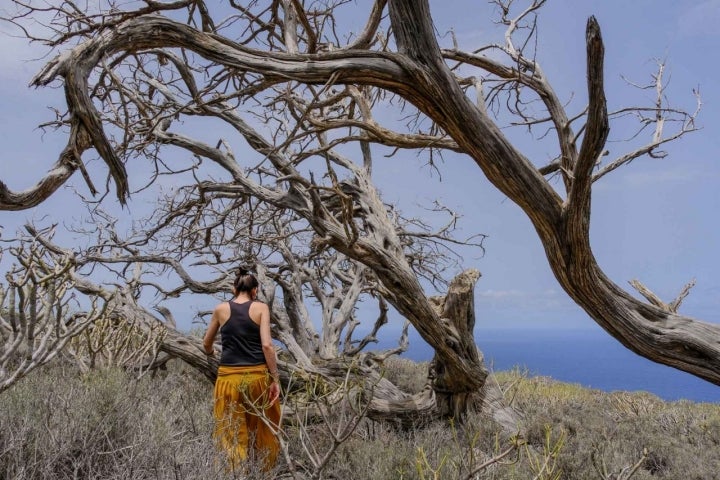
(245, 280)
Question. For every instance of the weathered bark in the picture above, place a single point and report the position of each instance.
(381, 250)
(190, 351)
(457, 312)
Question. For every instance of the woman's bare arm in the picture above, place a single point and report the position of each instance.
(209, 339)
(269, 351)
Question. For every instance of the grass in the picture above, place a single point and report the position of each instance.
(59, 424)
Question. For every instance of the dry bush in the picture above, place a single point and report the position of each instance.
(408, 375)
(58, 424)
(117, 342)
(681, 438)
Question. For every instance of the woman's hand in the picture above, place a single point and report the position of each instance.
(274, 392)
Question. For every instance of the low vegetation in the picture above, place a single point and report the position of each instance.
(59, 423)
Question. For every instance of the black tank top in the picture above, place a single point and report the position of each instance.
(240, 336)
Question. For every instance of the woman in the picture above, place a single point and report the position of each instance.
(247, 410)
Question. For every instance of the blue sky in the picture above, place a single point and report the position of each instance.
(653, 220)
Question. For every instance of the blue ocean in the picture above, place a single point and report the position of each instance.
(585, 356)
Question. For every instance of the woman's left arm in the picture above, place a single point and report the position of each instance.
(269, 351)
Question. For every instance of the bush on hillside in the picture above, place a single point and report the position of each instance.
(59, 424)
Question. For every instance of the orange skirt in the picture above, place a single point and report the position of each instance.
(245, 421)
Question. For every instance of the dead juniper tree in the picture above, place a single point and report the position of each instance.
(39, 310)
(318, 297)
(296, 113)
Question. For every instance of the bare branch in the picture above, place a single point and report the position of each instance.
(671, 307)
(365, 38)
(38, 311)
(675, 304)
(596, 132)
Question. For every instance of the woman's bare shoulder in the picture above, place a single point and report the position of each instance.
(222, 311)
(258, 306)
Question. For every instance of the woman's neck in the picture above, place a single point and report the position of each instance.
(243, 297)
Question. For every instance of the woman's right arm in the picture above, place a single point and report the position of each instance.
(213, 327)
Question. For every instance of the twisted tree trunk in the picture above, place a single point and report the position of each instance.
(562, 225)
